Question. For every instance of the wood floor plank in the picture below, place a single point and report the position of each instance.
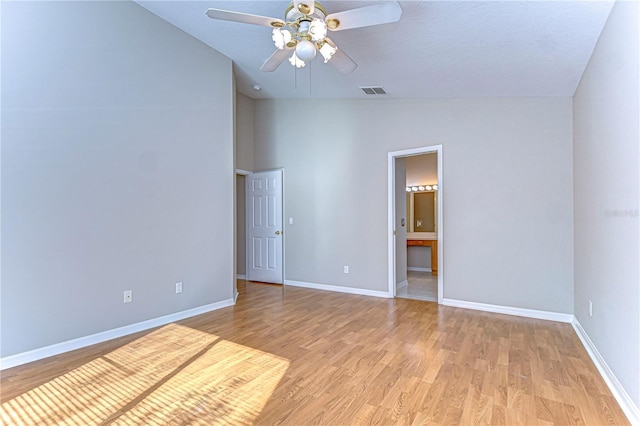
(293, 356)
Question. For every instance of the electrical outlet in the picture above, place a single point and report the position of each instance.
(590, 308)
(128, 296)
(179, 287)
(346, 269)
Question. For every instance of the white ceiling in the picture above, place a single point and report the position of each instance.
(533, 48)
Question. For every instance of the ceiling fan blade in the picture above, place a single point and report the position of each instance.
(341, 60)
(365, 16)
(245, 18)
(275, 60)
(306, 7)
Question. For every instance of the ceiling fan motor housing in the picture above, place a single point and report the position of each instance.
(293, 15)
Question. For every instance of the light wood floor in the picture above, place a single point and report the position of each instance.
(295, 356)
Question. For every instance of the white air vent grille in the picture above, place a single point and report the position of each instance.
(374, 90)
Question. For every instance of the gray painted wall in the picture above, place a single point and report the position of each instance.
(117, 170)
(244, 133)
(422, 169)
(606, 185)
(419, 257)
(244, 161)
(514, 248)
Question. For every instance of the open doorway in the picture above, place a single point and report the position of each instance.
(240, 232)
(241, 236)
(415, 224)
(259, 227)
(421, 186)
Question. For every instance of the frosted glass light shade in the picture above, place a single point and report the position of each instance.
(327, 51)
(305, 50)
(317, 29)
(280, 37)
(295, 61)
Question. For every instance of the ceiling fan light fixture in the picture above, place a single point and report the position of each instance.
(327, 51)
(281, 37)
(305, 50)
(307, 25)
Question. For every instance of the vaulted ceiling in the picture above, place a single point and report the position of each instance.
(532, 48)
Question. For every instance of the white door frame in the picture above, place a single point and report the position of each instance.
(392, 213)
(281, 170)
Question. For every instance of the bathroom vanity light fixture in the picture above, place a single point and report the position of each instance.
(422, 188)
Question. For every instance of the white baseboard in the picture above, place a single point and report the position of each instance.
(81, 342)
(629, 408)
(327, 287)
(241, 277)
(418, 269)
(498, 309)
(402, 284)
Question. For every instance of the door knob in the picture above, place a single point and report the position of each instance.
(278, 232)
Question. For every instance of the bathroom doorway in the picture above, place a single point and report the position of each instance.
(415, 224)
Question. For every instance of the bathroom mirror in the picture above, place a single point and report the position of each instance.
(422, 210)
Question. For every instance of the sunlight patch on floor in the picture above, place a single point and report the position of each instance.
(174, 375)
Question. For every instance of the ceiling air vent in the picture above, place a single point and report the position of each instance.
(374, 90)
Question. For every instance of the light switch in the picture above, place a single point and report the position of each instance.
(290, 221)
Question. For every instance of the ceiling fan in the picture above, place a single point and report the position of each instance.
(303, 32)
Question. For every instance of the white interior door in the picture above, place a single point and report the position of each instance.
(264, 227)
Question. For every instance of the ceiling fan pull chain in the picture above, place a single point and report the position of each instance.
(310, 66)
